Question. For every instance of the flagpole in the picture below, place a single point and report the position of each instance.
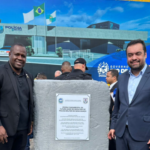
(35, 44)
(55, 36)
(45, 29)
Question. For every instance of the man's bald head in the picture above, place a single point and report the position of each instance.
(57, 73)
(80, 66)
(66, 67)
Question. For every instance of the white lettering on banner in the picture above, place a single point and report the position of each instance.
(103, 68)
(123, 70)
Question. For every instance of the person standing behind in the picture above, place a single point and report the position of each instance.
(111, 78)
(131, 115)
(41, 76)
(79, 71)
(16, 101)
(57, 73)
(66, 69)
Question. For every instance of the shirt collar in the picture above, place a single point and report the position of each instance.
(112, 85)
(21, 74)
(141, 72)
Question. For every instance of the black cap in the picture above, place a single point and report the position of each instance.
(80, 61)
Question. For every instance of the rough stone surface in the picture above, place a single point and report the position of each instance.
(45, 105)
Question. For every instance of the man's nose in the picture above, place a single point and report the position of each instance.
(134, 57)
(19, 57)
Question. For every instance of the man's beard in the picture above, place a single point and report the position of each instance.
(137, 68)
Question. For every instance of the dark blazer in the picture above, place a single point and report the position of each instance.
(63, 76)
(78, 74)
(9, 100)
(111, 100)
(137, 113)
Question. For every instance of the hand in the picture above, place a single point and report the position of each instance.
(31, 128)
(148, 142)
(3, 135)
(111, 134)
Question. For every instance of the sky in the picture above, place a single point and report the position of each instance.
(74, 13)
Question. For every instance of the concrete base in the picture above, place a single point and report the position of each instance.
(45, 109)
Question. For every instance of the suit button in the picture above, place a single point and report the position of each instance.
(126, 115)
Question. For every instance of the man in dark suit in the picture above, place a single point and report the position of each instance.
(16, 101)
(112, 78)
(66, 69)
(131, 115)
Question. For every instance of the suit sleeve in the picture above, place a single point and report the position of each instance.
(115, 111)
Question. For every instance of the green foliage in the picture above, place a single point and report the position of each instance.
(59, 51)
(29, 50)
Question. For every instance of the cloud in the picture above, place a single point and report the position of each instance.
(68, 22)
(91, 19)
(86, 18)
(137, 24)
(142, 24)
(136, 5)
(82, 20)
(70, 11)
(70, 6)
(119, 9)
(58, 10)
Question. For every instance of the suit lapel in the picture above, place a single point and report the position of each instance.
(126, 80)
(141, 84)
(13, 80)
(113, 88)
(29, 82)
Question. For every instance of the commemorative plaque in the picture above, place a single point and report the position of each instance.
(72, 116)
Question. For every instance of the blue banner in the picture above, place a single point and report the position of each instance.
(118, 60)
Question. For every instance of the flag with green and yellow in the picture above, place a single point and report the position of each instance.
(39, 10)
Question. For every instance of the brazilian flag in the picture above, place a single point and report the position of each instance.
(39, 10)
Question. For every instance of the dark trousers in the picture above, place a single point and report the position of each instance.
(16, 142)
(112, 144)
(128, 143)
(28, 143)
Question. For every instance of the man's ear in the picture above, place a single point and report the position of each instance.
(9, 53)
(145, 55)
(83, 66)
(114, 77)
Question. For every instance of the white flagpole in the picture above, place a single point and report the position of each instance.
(34, 42)
(45, 29)
(55, 36)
